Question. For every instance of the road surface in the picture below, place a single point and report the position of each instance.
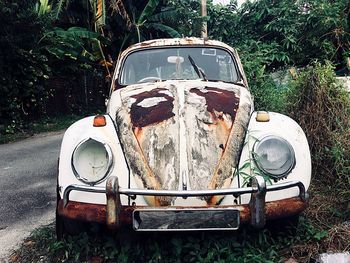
(27, 187)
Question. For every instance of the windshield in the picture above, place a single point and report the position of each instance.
(162, 64)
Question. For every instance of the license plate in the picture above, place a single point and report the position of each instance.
(185, 219)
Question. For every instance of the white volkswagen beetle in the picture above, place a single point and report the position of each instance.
(181, 148)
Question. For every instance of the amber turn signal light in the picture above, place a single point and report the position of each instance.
(99, 121)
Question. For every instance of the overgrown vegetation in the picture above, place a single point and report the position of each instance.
(275, 35)
(247, 245)
(49, 48)
(24, 69)
(47, 124)
(44, 71)
(322, 230)
(321, 105)
(52, 61)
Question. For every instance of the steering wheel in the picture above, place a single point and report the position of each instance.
(146, 79)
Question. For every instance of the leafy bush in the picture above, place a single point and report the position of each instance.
(45, 71)
(244, 245)
(76, 55)
(23, 69)
(267, 94)
(321, 105)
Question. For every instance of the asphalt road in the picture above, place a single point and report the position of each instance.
(27, 187)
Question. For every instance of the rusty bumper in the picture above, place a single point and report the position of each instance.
(116, 215)
(98, 213)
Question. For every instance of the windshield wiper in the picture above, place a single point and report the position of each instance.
(198, 70)
(227, 81)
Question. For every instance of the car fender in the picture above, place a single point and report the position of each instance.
(285, 127)
(77, 132)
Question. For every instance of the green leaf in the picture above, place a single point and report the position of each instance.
(82, 32)
(244, 174)
(245, 166)
(148, 11)
(164, 15)
(163, 28)
(58, 8)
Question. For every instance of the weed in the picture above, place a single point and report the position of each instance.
(245, 245)
(321, 105)
(249, 169)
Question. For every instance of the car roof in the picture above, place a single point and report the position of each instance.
(188, 41)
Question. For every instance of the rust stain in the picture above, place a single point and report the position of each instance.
(230, 153)
(145, 116)
(158, 200)
(149, 43)
(83, 211)
(138, 132)
(138, 163)
(222, 106)
(221, 126)
(188, 41)
(220, 101)
(285, 207)
(97, 213)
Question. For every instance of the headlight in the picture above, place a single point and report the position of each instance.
(274, 156)
(91, 161)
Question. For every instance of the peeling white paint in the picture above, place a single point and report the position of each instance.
(151, 152)
(166, 92)
(183, 182)
(150, 102)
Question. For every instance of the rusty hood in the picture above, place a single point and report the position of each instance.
(183, 135)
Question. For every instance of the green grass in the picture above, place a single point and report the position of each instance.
(320, 231)
(47, 124)
(245, 245)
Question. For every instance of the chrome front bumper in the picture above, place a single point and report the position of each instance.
(257, 207)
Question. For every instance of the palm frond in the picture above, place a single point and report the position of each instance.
(42, 7)
(76, 43)
(165, 29)
(148, 11)
(168, 15)
(58, 8)
(73, 32)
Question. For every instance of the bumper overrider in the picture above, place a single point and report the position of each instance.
(175, 218)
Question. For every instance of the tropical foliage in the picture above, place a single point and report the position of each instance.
(274, 35)
(145, 23)
(24, 69)
(54, 58)
(285, 32)
(66, 42)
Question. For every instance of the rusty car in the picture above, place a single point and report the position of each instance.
(181, 148)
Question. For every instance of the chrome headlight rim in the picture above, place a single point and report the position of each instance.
(109, 162)
(264, 170)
